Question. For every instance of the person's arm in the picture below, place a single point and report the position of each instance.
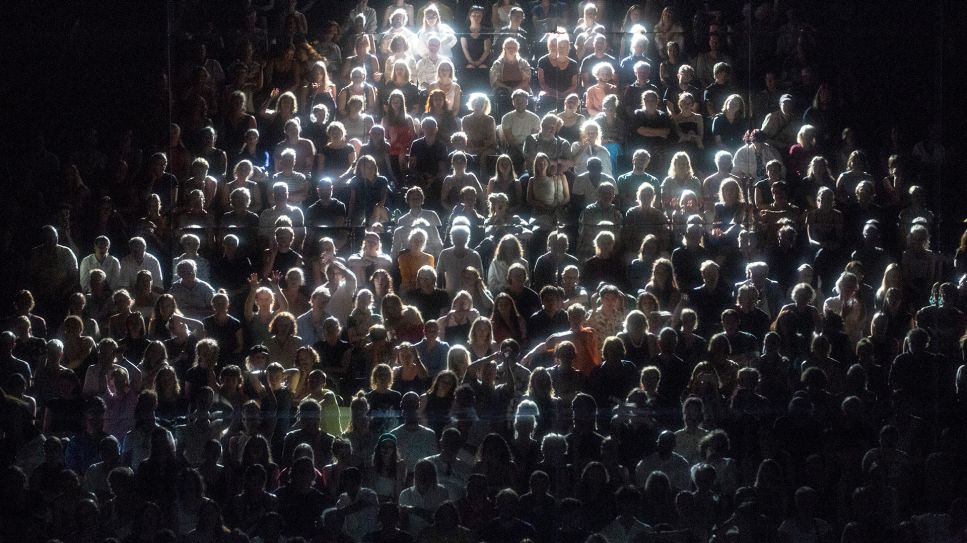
(348, 274)
(253, 283)
(264, 108)
(281, 303)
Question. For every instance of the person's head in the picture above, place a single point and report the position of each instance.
(604, 243)
(681, 166)
(565, 353)
(734, 106)
(510, 49)
(591, 133)
(381, 377)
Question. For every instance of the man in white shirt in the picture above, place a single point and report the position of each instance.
(452, 471)
(453, 260)
(427, 66)
(280, 207)
(666, 460)
(413, 440)
(517, 125)
(420, 501)
(100, 260)
(359, 505)
(415, 199)
(626, 528)
(139, 259)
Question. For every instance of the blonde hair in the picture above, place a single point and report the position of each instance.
(673, 170)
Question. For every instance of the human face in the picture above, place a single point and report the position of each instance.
(510, 50)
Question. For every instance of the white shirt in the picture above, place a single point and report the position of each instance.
(363, 521)
(426, 69)
(414, 443)
(451, 266)
(427, 502)
(675, 467)
(452, 475)
(130, 268)
(518, 126)
(111, 268)
(434, 243)
(744, 161)
(581, 160)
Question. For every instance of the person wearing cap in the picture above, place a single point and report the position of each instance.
(781, 126)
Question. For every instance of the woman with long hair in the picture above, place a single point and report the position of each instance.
(400, 129)
(505, 181)
(399, 77)
(439, 110)
(663, 285)
(481, 342)
(446, 81)
(472, 282)
(368, 191)
(359, 432)
(548, 193)
(409, 373)
(509, 252)
(681, 177)
(388, 470)
(433, 26)
(507, 320)
(319, 87)
(436, 402)
(455, 325)
(729, 126)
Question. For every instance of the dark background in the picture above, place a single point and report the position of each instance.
(79, 63)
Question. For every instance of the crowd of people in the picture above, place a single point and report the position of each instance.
(515, 272)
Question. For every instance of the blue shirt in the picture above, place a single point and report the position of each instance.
(434, 359)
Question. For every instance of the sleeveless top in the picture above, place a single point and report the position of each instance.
(402, 135)
(475, 46)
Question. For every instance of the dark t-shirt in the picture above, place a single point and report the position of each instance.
(590, 61)
(731, 133)
(527, 301)
(330, 213)
(428, 157)
(640, 120)
(225, 334)
(557, 78)
(430, 305)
